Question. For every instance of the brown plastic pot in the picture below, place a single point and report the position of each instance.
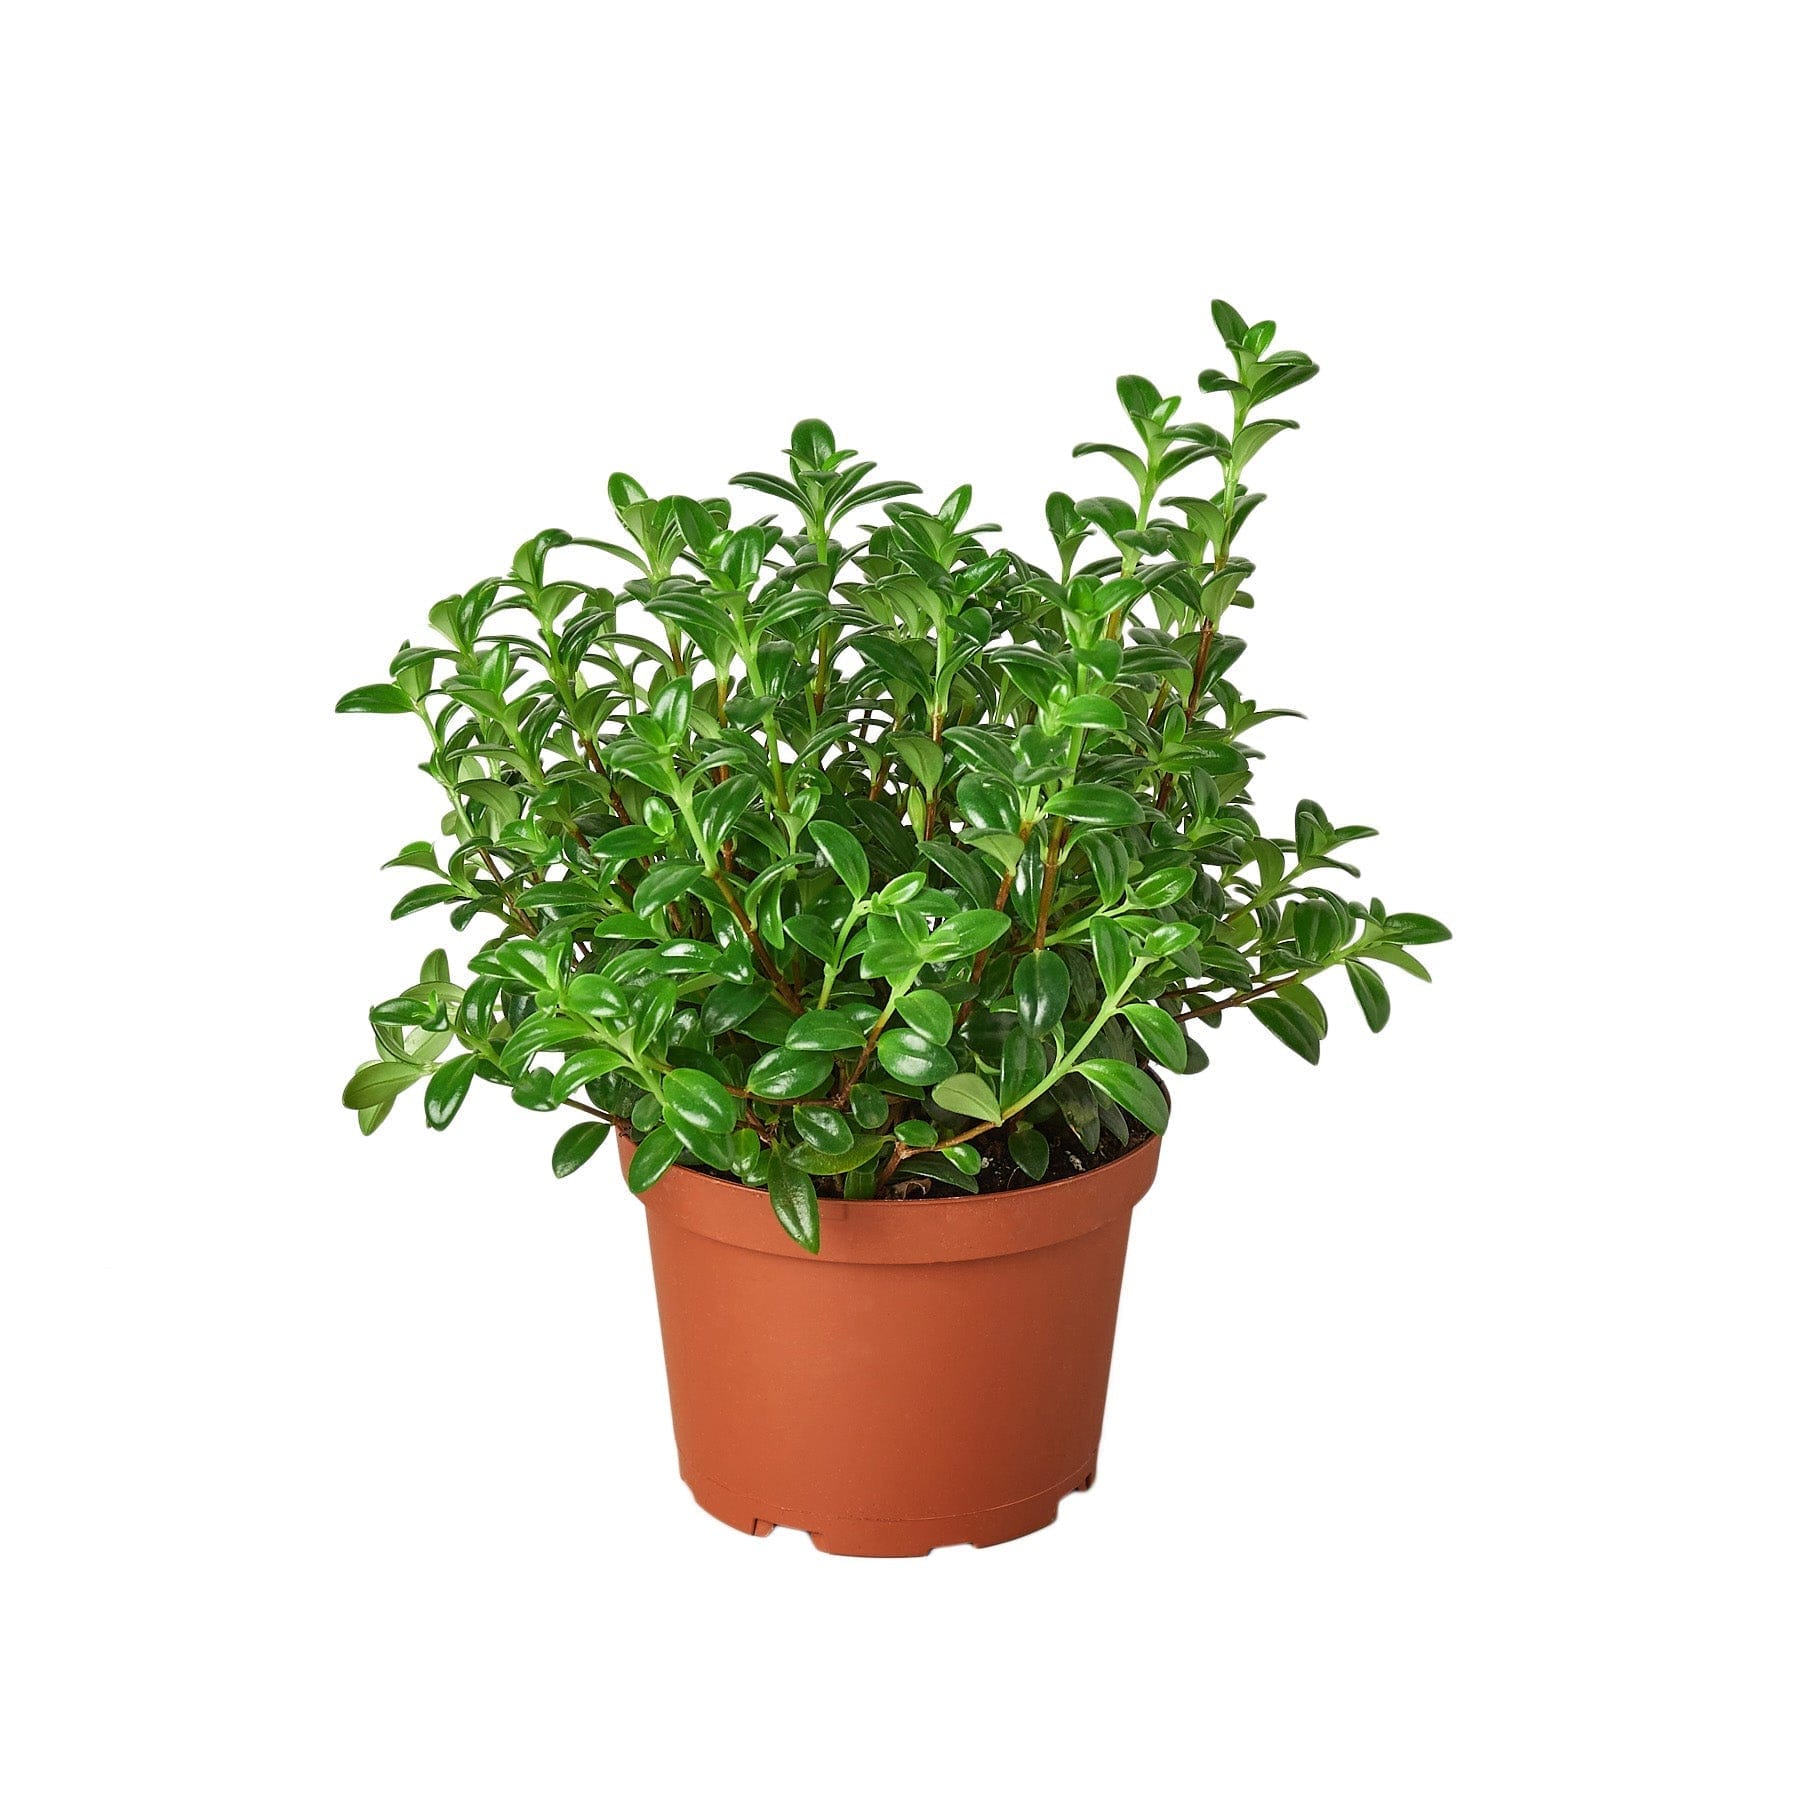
(935, 1375)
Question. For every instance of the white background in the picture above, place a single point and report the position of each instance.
(1452, 1442)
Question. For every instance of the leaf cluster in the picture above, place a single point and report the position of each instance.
(842, 850)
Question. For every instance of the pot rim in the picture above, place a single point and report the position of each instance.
(956, 1228)
(1018, 1193)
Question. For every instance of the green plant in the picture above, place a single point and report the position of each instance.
(895, 859)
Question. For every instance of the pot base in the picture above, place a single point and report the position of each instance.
(891, 1537)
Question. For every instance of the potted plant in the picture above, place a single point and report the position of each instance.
(858, 873)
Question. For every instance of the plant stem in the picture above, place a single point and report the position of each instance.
(1047, 887)
(1255, 993)
(771, 968)
(506, 899)
(1193, 702)
(979, 967)
(1064, 1064)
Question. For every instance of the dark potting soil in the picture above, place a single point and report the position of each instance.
(999, 1173)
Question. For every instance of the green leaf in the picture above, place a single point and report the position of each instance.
(577, 1144)
(1138, 396)
(1031, 1151)
(434, 894)
(1159, 1034)
(787, 1074)
(1414, 928)
(1003, 846)
(857, 1154)
(963, 1157)
(823, 1128)
(928, 1013)
(868, 1106)
(1112, 953)
(1252, 438)
(728, 1006)
(404, 1012)
(531, 1090)
(652, 1159)
(1041, 987)
(377, 1082)
(671, 709)
(1162, 887)
(966, 934)
(941, 1168)
(1131, 1088)
(380, 697)
(1022, 1066)
(795, 1201)
(916, 1134)
(825, 1031)
(447, 1090)
(1230, 323)
(1298, 994)
(698, 1100)
(1094, 713)
(1371, 994)
(699, 529)
(420, 855)
(664, 882)
(968, 1094)
(923, 758)
(1289, 1023)
(1168, 940)
(1086, 803)
(845, 855)
(1109, 860)
(912, 1057)
(1397, 958)
(1317, 929)
(581, 1068)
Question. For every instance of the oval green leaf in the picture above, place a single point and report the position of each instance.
(576, 1145)
(1041, 987)
(447, 1090)
(912, 1057)
(1086, 803)
(786, 1074)
(698, 1100)
(652, 1159)
(1131, 1088)
(970, 1095)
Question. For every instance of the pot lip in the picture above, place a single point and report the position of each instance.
(958, 1228)
(1066, 1184)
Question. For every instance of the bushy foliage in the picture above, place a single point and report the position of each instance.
(894, 860)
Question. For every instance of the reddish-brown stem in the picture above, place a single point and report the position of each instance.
(594, 1112)
(981, 961)
(888, 1168)
(771, 968)
(1255, 993)
(862, 1062)
(1199, 687)
(506, 899)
